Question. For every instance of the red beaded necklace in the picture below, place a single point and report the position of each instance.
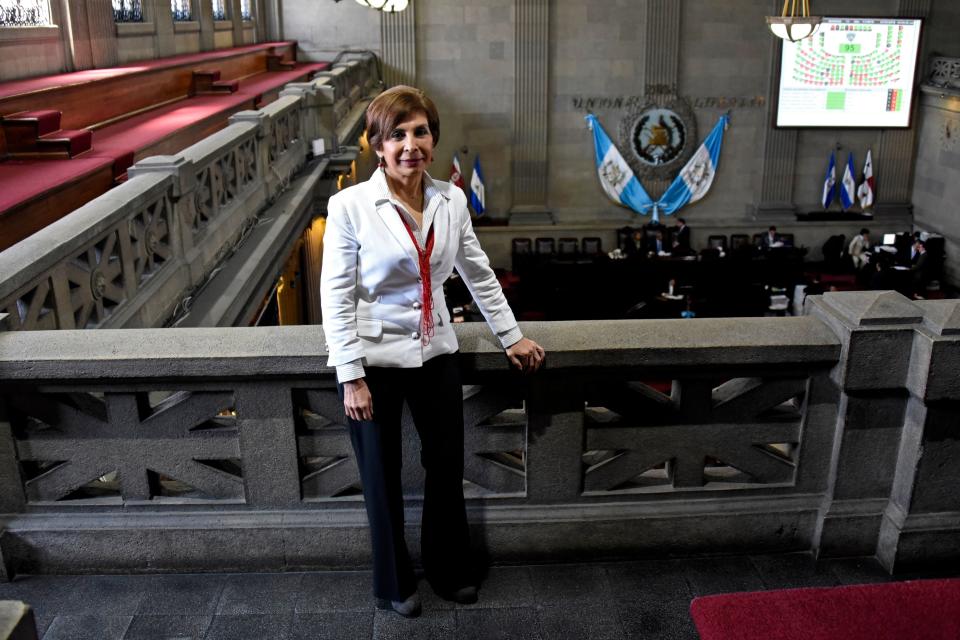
(426, 323)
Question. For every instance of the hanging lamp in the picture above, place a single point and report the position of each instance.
(795, 22)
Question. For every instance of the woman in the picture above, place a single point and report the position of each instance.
(389, 244)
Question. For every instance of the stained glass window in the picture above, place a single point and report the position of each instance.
(24, 13)
(246, 10)
(219, 10)
(182, 10)
(127, 11)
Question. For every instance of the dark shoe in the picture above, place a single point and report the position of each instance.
(409, 608)
(463, 595)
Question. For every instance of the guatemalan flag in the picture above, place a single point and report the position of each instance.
(616, 176)
(848, 186)
(456, 176)
(697, 175)
(866, 191)
(477, 192)
(830, 182)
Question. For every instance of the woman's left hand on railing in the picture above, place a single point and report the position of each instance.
(526, 355)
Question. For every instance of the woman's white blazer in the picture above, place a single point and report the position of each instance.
(370, 289)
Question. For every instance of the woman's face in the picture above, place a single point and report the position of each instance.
(408, 149)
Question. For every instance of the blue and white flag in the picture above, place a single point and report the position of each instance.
(830, 182)
(697, 175)
(848, 186)
(478, 198)
(616, 176)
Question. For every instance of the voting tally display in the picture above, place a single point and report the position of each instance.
(690, 185)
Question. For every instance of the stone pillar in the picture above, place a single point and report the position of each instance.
(166, 43)
(531, 111)
(268, 445)
(921, 525)
(182, 200)
(237, 20)
(398, 38)
(876, 329)
(312, 263)
(207, 26)
(895, 157)
(555, 435)
(779, 147)
(661, 62)
(272, 17)
(94, 34)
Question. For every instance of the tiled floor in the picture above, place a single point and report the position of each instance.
(617, 600)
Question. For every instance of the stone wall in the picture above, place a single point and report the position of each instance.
(468, 56)
(99, 42)
(936, 187)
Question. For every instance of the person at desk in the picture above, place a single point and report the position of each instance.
(657, 246)
(681, 238)
(771, 240)
(859, 249)
(634, 246)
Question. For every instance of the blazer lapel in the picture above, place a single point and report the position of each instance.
(391, 218)
(380, 194)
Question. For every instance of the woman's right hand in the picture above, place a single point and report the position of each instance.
(357, 401)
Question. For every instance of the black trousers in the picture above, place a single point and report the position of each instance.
(435, 398)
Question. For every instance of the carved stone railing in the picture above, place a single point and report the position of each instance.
(128, 257)
(944, 73)
(227, 449)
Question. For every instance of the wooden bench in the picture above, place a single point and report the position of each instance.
(68, 138)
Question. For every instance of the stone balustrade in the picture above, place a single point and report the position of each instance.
(127, 258)
(227, 450)
(944, 73)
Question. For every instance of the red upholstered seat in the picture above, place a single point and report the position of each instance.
(45, 120)
(73, 141)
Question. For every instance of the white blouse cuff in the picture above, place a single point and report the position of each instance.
(510, 337)
(350, 371)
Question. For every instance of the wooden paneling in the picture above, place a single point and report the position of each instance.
(21, 221)
(97, 101)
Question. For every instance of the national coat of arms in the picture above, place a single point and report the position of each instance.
(660, 136)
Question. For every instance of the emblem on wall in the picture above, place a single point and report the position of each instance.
(660, 135)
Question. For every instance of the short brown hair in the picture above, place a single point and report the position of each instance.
(395, 105)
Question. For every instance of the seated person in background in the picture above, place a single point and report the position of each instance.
(919, 268)
(634, 245)
(657, 247)
(771, 240)
(681, 238)
(859, 249)
(688, 312)
(672, 292)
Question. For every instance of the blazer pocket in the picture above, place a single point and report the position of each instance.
(369, 328)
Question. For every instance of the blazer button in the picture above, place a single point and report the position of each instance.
(415, 335)
(417, 305)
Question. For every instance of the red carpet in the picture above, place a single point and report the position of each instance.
(23, 180)
(921, 609)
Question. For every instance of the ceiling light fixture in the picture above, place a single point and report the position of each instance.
(795, 22)
(387, 6)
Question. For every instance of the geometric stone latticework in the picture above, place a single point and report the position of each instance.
(494, 442)
(80, 447)
(91, 282)
(743, 433)
(495, 427)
